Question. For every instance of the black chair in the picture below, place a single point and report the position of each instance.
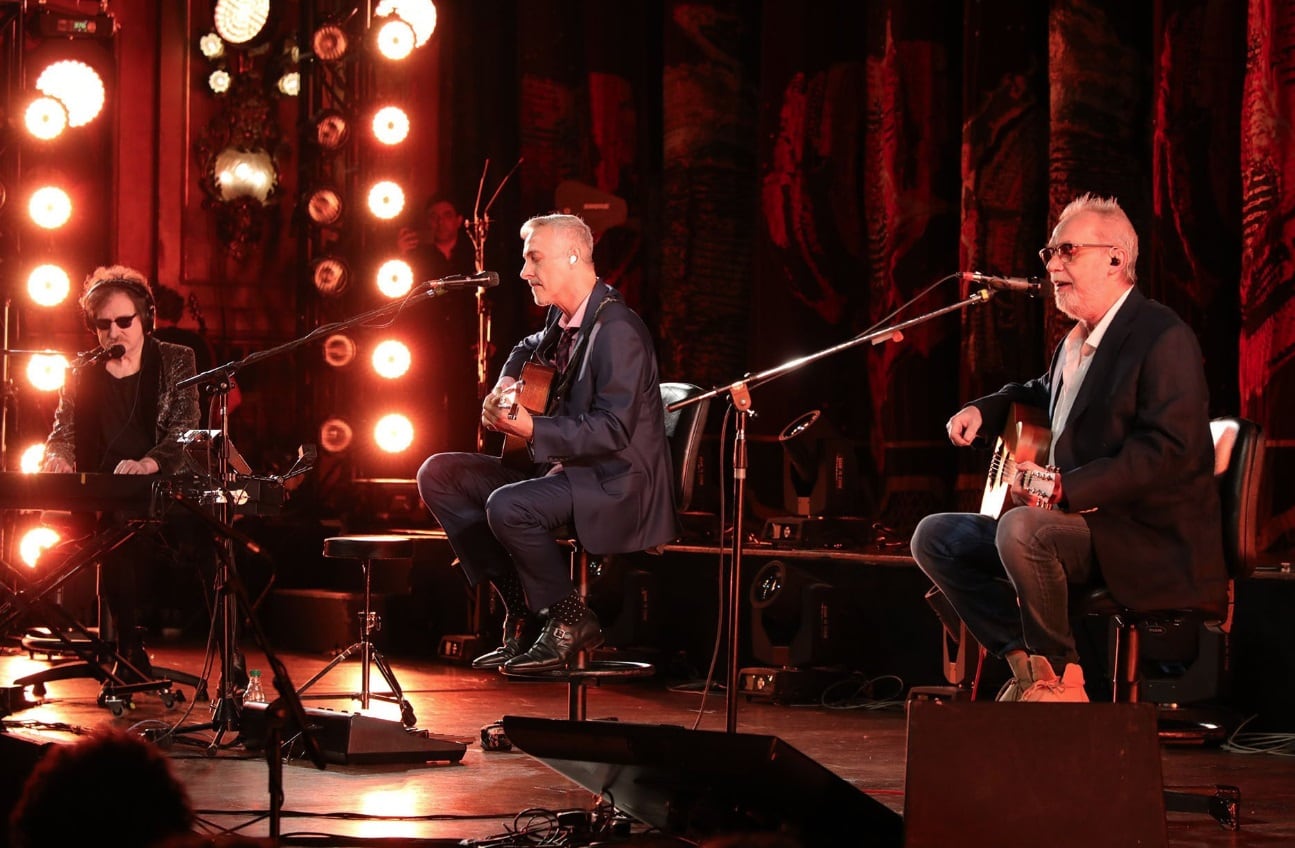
(684, 428)
(1238, 453)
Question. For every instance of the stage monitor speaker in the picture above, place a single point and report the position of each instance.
(19, 754)
(353, 738)
(987, 773)
(696, 783)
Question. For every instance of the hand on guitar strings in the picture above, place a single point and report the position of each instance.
(501, 412)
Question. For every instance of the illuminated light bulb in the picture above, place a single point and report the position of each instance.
(393, 433)
(390, 125)
(395, 278)
(50, 207)
(35, 542)
(395, 39)
(47, 371)
(386, 200)
(77, 86)
(391, 359)
(48, 285)
(45, 118)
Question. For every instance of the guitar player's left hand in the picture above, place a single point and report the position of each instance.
(1020, 496)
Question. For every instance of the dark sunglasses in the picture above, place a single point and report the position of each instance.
(1066, 250)
(122, 321)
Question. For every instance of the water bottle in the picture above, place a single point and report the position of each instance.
(255, 691)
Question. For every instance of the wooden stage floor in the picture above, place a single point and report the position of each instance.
(487, 793)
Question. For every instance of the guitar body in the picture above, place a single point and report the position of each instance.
(1025, 438)
(537, 384)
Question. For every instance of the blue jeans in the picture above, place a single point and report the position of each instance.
(1008, 579)
(500, 519)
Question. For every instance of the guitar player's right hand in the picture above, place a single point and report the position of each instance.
(964, 426)
(57, 465)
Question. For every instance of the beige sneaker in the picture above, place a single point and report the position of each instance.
(1035, 666)
(1048, 688)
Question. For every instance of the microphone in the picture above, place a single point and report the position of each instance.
(90, 357)
(454, 282)
(1033, 286)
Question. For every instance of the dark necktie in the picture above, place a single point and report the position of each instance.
(562, 353)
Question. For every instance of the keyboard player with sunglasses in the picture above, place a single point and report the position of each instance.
(123, 414)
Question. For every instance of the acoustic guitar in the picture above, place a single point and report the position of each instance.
(532, 392)
(1025, 438)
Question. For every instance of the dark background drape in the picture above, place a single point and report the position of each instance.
(795, 172)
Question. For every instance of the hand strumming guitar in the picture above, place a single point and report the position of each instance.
(963, 426)
(501, 412)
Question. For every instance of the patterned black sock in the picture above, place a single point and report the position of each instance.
(510, 592)
(570, 611)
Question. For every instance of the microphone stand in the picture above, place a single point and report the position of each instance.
(740, 395)
(225, 715)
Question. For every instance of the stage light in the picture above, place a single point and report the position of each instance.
(797, 619)
(339, 350)
(330, 42)
(332, 129)
(48, 285)
(393, 433)
(219, 81)
(324, 206)
(49, 207)
(35, 542)
(386, 200)
(395, 278)
(391, 359)
(390, 125)
(331, 275)
(419, 14)
(46, 371)
(212, 46)
(240, 21)
(32, 458)
(290, 84)
(45, 118)
(77, 86)
(335, 435)
(245, 173)
(395, 39)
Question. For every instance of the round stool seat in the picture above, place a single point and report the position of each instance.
(369, 547)
(595, 672)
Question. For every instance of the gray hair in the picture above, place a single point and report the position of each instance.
(576, 232)
(1118, 229)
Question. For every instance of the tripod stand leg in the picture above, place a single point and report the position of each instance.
(407, 716)
(333, 663)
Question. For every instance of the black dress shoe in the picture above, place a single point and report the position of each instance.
(518, 631)
(557, 646)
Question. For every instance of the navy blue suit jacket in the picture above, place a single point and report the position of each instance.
(607, 427)
(1137, 460)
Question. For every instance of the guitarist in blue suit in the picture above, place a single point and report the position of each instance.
(580, 406)
(1128, 494)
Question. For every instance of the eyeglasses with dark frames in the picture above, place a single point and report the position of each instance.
(123, 321)
(1066, 250)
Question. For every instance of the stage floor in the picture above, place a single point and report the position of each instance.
(488, 793)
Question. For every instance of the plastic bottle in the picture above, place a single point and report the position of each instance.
(255, 691)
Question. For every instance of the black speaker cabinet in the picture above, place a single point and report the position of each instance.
(1064, 775)
(697, 783)
(19, 754)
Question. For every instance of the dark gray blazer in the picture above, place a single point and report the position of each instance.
(607, 427)
(1137, 460)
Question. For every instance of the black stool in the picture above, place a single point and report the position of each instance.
(367, 549)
